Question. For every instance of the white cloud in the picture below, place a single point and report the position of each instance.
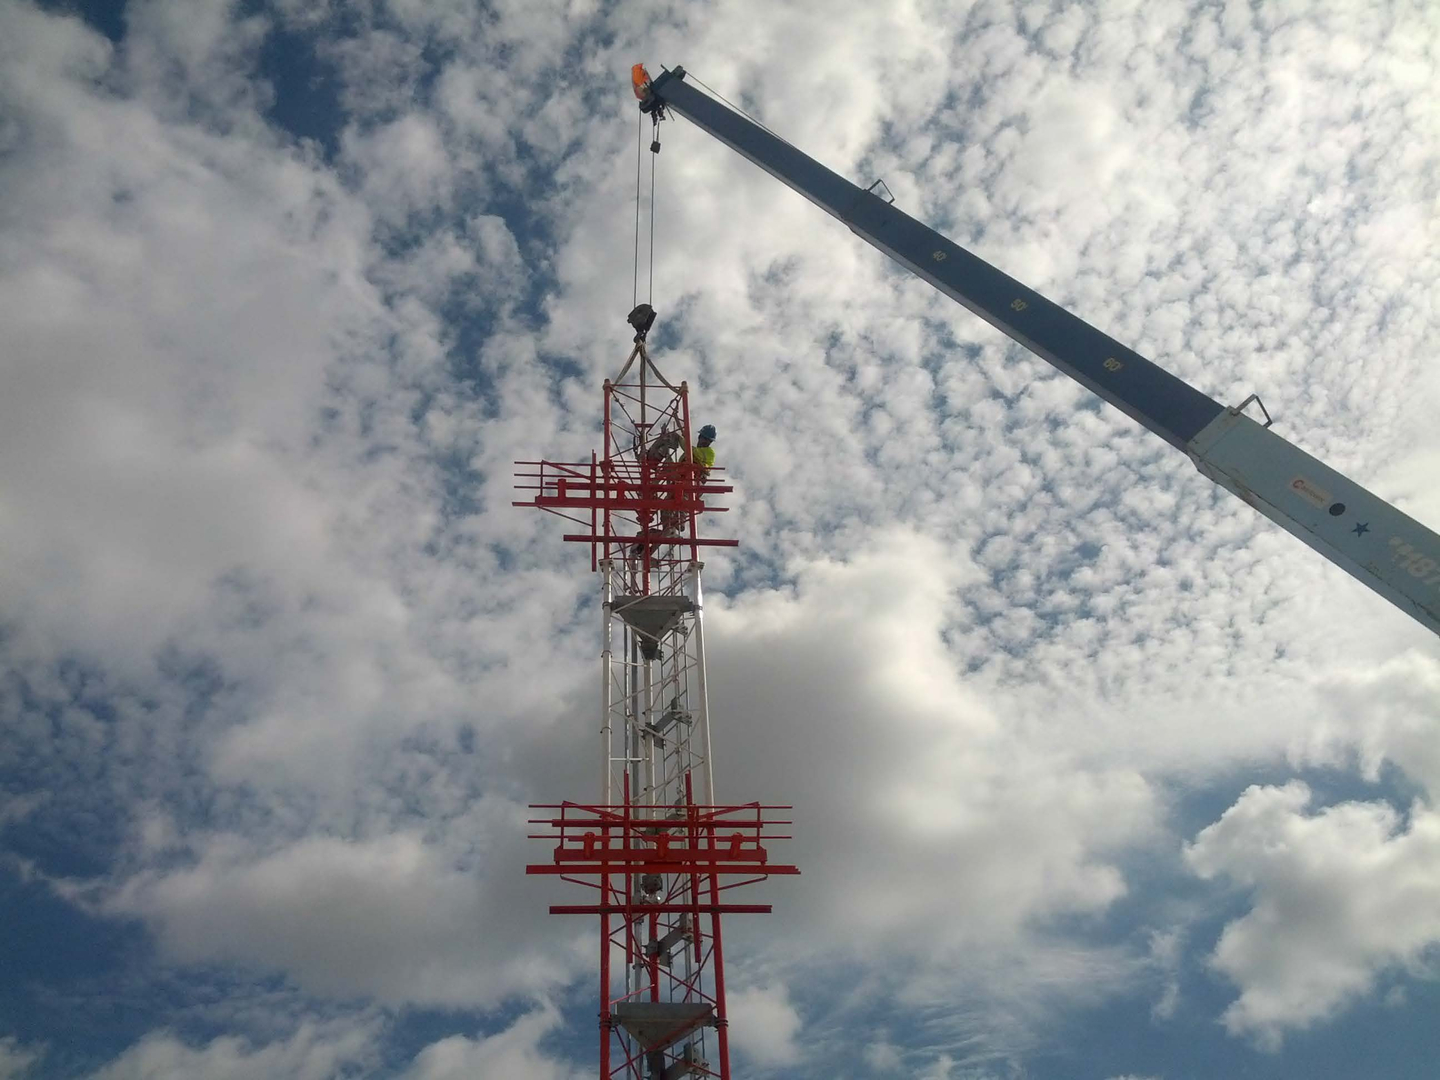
(404, 165)
(883, 1056)
(516, 1051)
(1166, 951)
(945, 1067)
(1339, 896)
(213, 402)
(323, 1050)
(391, 917)
(17, 1060)
(177, 304)
(194, 57)
(934, 837)
(764, 1025)
(840, 695)
(313, 1052)
(1385, 713)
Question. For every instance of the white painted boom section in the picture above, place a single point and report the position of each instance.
(1381, 546)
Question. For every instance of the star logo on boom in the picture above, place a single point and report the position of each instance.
(1361, 529)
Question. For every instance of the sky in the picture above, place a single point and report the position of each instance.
(1096, 773)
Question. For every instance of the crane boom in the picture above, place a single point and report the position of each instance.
(1363, 534)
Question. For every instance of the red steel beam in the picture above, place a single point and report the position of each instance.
(660, 909)
(678, 541)
(765, 869)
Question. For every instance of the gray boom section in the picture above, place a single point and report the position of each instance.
(1381, 546)
(1149, 394)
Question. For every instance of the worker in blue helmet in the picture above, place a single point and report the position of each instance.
(703, 455)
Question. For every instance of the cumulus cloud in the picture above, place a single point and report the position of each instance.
(970, 830)
(1384, 714)
(882, 1056)
(765, 1025)
(928, 828)
(203, 359)
(405, 166)
(17, 1060)
(323, 1050)
(392, 917)
(154, 406)
(516, 1051)
(313, 1052)
(1340, 896)
(1166, 951)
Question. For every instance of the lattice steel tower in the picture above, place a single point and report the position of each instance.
(657, 847)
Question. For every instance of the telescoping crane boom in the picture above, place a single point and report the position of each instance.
(1386, 549)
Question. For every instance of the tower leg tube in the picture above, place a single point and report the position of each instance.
(606, 690)
(605, 982)
(722, 1023)
(702, 696)
(644, 735)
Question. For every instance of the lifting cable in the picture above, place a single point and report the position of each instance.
(639, 172)
(655, 117)
(639, 142)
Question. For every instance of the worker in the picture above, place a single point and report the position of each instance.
(664, 445)
(703, 456)
(661, 453)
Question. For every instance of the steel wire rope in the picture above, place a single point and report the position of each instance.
(639, 143)
(748, 116)
(639, 174)
(654, 153)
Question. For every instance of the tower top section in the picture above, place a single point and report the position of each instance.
(638, 500)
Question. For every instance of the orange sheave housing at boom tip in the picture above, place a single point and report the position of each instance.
(640, 81)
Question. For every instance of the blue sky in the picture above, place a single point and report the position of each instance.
(1097, 774)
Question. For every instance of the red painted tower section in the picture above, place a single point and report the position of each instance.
(657, 853)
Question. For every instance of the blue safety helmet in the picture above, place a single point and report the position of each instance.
(708, 432)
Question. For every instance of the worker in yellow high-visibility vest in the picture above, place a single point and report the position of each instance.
(703, 455)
